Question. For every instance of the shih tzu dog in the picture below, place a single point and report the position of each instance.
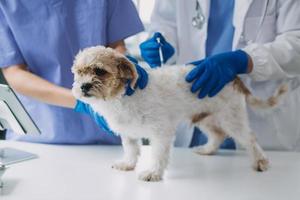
(101, 77)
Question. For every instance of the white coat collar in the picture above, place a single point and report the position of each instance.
(241, 8)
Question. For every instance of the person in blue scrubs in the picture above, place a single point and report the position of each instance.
(38, 42)
(220, 33)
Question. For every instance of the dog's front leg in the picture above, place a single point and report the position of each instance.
(160, 157)
(131, 152)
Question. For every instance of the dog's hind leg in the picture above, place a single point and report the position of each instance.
(160, 157)
(131, 152)
(215, 136)
(241, 132)
(248, 140)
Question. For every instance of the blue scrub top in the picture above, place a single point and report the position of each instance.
(220, 30)
(46, 35)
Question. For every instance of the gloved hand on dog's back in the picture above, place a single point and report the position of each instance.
(141, 83)
(211, 74)
(150, 50)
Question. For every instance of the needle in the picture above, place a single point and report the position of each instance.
(160, 52)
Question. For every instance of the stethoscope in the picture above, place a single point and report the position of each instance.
(199, 19)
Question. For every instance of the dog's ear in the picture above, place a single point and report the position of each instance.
(127, 70)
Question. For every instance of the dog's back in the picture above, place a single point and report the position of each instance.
(166, 100)
(167, 90)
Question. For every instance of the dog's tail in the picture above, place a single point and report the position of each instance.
(258, 103)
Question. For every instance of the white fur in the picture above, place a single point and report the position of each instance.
(155, 112)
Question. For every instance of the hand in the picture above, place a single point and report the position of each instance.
(150, 50)
(142, 80)
(213, 73)
(82, 107)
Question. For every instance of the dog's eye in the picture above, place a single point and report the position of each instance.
(100, 72)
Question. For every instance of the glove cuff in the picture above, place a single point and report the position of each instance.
(242, 58)
(132, 59)
(80, 107)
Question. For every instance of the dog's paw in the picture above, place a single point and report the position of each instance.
(150, 176)
(123, 166)
(203, 150)
(261, 165)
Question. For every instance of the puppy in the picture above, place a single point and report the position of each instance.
(101, 78)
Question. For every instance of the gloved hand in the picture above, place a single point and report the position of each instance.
(142, 80)
(211, 74)
(150, 50)
(82, 107)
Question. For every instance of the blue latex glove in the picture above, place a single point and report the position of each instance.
(150, 50)
(213, 73)
(82, 107)
(142, 79)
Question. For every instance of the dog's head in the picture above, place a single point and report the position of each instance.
(101, 73)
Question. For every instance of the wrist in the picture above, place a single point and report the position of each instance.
(65, 97)
(242, 59)
(80, 107)
(250, 64)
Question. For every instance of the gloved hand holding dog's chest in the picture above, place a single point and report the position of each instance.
(211, 74)
(82, 107)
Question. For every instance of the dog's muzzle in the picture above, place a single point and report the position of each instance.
(85, 88)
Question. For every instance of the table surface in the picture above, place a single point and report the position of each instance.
(84, 172)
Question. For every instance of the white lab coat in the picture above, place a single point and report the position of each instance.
(274, 49)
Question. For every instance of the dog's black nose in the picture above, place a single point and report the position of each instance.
(85, 87)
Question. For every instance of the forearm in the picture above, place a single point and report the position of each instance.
(119, 46)
(276, 60)
(31, 85)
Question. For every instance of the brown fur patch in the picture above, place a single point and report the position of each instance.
(240, 86)
(120, 86)
(127, 70)
(218, 131)
(85, 70)
(282, 90)
(199, 117)
(272, 101)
